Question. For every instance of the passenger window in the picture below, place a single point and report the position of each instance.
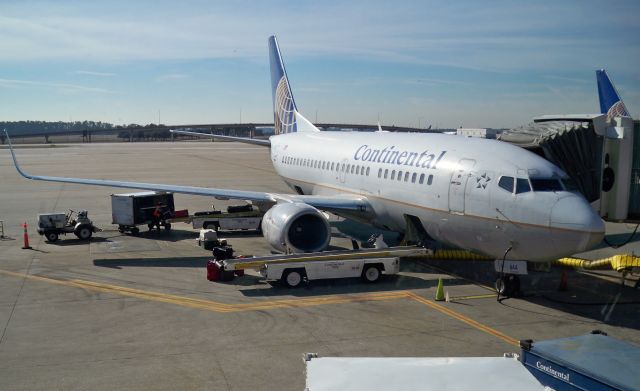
(430, 179)
(506, 182)
(386, 172)
(379, 172)
(367, 171)
(393, 174)
(332, 166)
(342, 168)
(522, 185)
(357, 170)
(413, 177)
(421, 179)
(399, 175)
(353, 168)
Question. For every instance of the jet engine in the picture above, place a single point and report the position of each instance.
(296, 227)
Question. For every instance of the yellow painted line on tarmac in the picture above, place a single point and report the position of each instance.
(215, 306)
(465, 319)
(211, 305)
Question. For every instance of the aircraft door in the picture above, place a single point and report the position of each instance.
(458, 185)
(342, 174)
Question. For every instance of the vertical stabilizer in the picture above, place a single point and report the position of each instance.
(286, 118)
(610, 102)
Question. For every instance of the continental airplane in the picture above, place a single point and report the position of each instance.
(610, 102)
(482, 195)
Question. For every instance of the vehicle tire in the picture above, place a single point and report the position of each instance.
(205, 226)
(51, 236)
(84, 232)
(150, 225)
(167, 226)
(121, 229)
(216, 226)
(135, 231)
(371, 273)
(292, 278)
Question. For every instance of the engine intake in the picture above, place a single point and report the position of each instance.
(296, 227)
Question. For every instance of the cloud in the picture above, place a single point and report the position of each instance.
(172, 76)
(92, 73)
(62, 87)
(494, 35)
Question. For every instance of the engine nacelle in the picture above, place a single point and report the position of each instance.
(296, 227)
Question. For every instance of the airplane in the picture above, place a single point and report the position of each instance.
(482, 195)
(610, 102)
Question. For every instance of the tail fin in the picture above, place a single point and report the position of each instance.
(610, 102)
(285, 113)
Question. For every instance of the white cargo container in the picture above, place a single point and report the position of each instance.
(131, 209)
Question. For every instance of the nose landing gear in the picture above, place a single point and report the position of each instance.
(507, 285)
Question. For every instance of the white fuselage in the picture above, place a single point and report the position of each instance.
(450, 183)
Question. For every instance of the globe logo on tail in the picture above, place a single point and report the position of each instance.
(285, 116)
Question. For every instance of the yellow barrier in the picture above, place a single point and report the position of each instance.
(617, 262)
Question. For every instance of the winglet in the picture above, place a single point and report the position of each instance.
(15, 161)
(610, 102)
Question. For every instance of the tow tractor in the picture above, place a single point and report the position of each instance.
(52, 225)
(294, 269)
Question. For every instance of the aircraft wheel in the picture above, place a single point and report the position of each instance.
(371, 273)
(508, 285)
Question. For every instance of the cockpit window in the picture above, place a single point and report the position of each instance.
(546, 184)
(522, 185)
(506, 182)
(569, 184)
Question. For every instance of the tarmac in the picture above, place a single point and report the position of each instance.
(124, 312)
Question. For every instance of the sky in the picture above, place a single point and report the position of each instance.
(406, 63)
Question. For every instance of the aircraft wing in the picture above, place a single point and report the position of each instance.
(256, 141)
(342, 203)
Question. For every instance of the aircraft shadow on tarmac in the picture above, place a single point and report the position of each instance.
(199, 262)
(588, 294)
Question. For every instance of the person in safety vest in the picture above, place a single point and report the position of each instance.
(157, 214)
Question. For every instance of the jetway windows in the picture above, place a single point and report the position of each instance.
(506, 182)
(546, 184)
(522, 186)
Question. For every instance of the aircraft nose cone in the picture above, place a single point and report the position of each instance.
(574, 213)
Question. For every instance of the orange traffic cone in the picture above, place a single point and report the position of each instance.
(563, 282)
(25, 238)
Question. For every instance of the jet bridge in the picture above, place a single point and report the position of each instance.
(601, 154)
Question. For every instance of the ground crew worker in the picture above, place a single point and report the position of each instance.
(157, 214)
